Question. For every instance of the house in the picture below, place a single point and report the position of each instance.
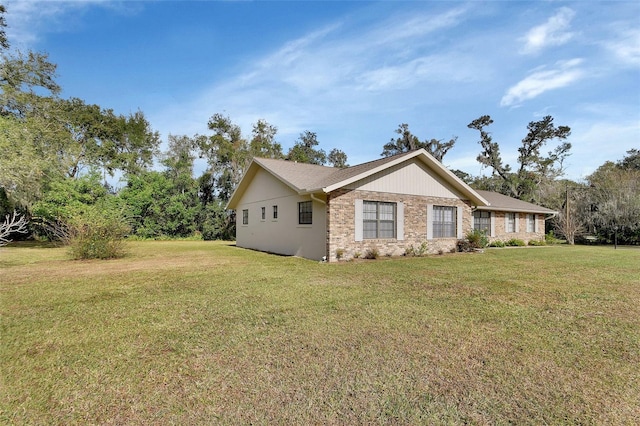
(391, 204)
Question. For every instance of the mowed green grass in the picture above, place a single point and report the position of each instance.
(206, 333)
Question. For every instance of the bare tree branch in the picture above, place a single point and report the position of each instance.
(13, 223)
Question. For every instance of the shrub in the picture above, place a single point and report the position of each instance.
(515, 242)
(537, 243)
(550, 238)
(497, 243)
(372, 253)
(98, 234)
(356, 255)
(339, 253)
(420, 251)
(474, 240)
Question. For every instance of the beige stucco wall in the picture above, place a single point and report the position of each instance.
(282, 235)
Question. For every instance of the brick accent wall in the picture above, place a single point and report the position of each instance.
(341, 224)
(522, 234)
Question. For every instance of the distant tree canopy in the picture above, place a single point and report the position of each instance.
(406, 141)
(534, 168)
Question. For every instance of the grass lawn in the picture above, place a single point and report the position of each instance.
(195, 332)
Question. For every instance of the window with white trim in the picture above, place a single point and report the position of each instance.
(482, 221)
(275, 212)
(305, 213)
(510, 223)
(264, 213)
(378, 219)
(531, 223)
(245, 216)
(444, 222)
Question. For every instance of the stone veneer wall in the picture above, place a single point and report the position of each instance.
(341, 223)
(522, 233)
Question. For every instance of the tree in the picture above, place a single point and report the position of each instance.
(303, 150)
(337, 158)
(615, 201)
(409, 142)
(12, 224)
(4, 43)
(227, 154)
(533, 168)
(263, 142)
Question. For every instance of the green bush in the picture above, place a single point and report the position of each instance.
(537, 243)
(550, 238)
(474, 240)
(98, 234)
(497, 243)
(420, 251)
(516, 242)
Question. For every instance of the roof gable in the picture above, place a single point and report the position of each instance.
(309, 178)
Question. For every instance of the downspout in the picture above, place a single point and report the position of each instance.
(314, 198)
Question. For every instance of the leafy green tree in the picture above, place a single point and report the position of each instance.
(227, 154)
(407, 141)
(533, 168)
(614, 198)
(263, 143)
(304, 151)
(4, 43)
(337, 158)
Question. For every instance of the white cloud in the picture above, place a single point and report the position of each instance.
(543, 80)
(551, 33)
(28, 20)
(626, 47)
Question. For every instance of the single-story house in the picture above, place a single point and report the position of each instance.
(391, 204)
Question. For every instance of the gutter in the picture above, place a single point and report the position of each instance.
(314, 198)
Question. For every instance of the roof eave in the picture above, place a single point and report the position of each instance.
(516, 210)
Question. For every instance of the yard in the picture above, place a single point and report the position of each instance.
(196, 332)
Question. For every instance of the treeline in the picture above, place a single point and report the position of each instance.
(57, 155)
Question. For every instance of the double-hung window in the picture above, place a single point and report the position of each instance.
(444, 221)
(510, 222)
(264, 213)
(305, 213)
(378, 219)
(531, 223)
(482, 221)
(245, 216)
(275, 212)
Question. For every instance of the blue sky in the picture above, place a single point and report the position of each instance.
(353, 71)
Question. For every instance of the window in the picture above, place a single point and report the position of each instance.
(444, 222)
(531, 223)
(379, 219)
(275, 212)
(264, 213)
(482, 221)
(305, 213)
(510, 222)
(245, 217)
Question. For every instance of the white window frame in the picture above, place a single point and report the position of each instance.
(369, 207)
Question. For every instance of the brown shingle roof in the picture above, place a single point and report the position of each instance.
(313, 177)
(502, 202)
